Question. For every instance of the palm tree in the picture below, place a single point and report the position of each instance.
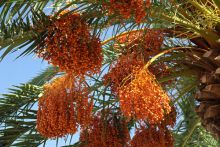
(189, 50)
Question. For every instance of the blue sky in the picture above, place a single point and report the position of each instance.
(14, 72)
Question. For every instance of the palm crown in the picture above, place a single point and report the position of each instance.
(117, 67)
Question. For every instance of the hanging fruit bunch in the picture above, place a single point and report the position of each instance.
(146, 42)
(127, 64)
(140, 96)
(152, 137)
(155, 136)
(64, 105)
(128, 8)
(105, 131)
(143, 98)
(123, 67)
(136, 48)
(70, 46)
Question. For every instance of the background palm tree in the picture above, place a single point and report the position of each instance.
(191, 25)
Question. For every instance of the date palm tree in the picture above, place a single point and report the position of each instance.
(190, 51)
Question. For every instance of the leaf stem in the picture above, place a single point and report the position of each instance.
(122, 34)
(189, 134)
(164, 52)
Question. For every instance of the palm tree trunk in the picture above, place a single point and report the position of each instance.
(209, 94)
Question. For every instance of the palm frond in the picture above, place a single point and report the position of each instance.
(20, 34)
(188, 130)
(18, 116)
(19, 97)
(44, 76)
